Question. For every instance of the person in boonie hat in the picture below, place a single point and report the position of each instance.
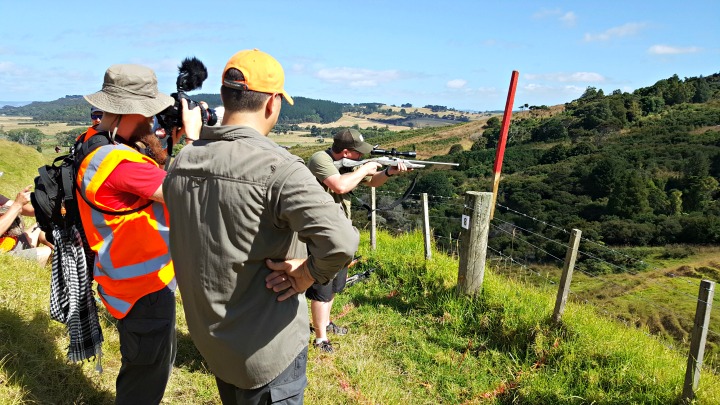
(123, 212)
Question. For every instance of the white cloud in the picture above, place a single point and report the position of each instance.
(545, 13)
(456, 84)
(549, 94)
(672, 50)
(355, 77)
(567, 18)
(577, 77)
(160, 66)
(10, 69)
(616, 32)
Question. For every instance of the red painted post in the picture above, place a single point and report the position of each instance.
(507, 115)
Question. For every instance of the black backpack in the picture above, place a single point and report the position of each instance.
(54, 196)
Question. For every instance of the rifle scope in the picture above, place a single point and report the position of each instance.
(392, 152)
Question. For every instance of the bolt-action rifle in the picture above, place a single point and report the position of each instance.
(390, 158)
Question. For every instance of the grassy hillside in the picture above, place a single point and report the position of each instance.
(411, 340)
(19, 163)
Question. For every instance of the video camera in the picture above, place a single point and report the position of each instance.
(392, 152)
(192, 74)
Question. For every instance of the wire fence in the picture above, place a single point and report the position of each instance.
(618, 284)
(660, 295)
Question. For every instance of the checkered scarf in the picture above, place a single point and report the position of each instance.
(71, 298)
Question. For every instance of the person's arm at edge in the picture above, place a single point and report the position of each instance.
(28, 210)
(14, 210)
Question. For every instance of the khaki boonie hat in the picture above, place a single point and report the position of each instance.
(130, 89)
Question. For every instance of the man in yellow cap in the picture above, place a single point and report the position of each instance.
(244, 213)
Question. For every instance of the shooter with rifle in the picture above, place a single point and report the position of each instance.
(389, 158)
(339, 180)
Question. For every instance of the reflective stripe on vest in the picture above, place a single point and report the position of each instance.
(132, 250)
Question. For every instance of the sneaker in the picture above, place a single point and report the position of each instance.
(324, 346)
(338, 330)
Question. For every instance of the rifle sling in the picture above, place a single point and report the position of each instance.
(392, 205)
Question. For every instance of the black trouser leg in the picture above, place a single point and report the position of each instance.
(148, 346)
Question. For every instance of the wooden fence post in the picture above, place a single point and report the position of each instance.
(426, 226)
(699, 336)
(373, 228)
(473, 245)
(567, 274)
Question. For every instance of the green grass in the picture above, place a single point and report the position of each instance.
(412, 340)
(20, 165)
(662, 298)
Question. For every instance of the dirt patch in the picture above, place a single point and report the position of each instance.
(361, 121)
(682, 271)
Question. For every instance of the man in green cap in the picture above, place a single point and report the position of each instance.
(347, 144)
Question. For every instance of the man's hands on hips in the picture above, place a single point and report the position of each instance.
(290, 276)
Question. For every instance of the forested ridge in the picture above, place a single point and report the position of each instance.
(628, 169)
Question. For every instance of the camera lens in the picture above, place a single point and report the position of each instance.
(211, 117)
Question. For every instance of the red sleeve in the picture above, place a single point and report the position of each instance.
(129, 182)
(140, 179)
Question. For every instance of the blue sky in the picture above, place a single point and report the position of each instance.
(455, 53)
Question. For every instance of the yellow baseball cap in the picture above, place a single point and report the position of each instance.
(262, 73)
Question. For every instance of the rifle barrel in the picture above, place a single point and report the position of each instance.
(421, 162)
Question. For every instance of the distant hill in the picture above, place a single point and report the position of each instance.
(14, 103)
(74, 109)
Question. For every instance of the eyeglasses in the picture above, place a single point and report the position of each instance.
(96, 116)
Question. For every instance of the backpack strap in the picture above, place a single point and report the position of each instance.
(82, 150)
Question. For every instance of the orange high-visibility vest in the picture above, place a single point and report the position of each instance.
(87, 134)
(132, 256)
